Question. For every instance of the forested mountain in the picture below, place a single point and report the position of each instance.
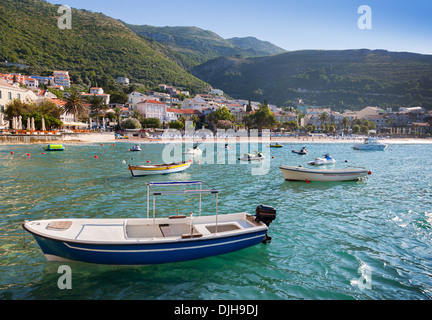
(196, 46)
(97, 49)
(340, 79)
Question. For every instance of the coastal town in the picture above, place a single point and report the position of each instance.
(169, 107)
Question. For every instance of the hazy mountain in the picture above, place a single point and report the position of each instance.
(196, 45)
(341, 79)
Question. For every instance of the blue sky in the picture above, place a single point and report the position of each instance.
(291, 24)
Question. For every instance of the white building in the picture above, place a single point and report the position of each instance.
(123, 81)
(10, 92)
(153, 109)
(61, 78)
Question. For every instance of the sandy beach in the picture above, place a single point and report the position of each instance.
(109, 138)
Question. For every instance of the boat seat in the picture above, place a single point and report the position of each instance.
(166, 230)
(59, 225)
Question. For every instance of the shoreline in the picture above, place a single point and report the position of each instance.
(109, 138)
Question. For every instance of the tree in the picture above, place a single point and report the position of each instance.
(356, 129)
(130, 123)
(263, 117)
(74, 105)
(97, 105)
(345, 123)
(176, 125)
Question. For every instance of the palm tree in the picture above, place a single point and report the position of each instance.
(345, 124)
(74, 105)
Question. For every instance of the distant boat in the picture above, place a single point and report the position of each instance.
(276, 145)
(256, 156)
(135, 148)
(370, 144)
(193, 151)
(291, 173)
(152, 240)
(326, 159)
(54, 147)
(301, 152)
(165, 168)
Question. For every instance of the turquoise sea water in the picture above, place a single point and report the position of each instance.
(342, 240)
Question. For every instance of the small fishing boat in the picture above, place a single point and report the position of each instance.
(54, 147)
(193, 151)
(292, 173)
(165, 168)
(152, 240)
(135, 148)
(256, 156)
(275, 145)
(326, 159)
(302, 151)
(370, 144)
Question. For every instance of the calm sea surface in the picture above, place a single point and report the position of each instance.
(360, 240)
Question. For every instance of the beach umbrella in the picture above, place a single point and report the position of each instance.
(28, 124)
(1, 120)
(19, 126)
(43, 125)
(14, 123)
(90, 122)
(32, 124)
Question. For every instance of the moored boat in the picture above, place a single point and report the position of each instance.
(256, 156)
(135, 148)
(152, 240)
(326, 159)
(370, 144)
(275, 145)
(165, 168)
(292, 173)
(54, 147)
(302, 151)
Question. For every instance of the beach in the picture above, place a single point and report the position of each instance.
(109, 137)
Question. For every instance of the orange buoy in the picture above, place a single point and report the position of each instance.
(28, 154)
(43, 152)
(96, 157)
(307, 181)
(369, 172)
(148, 161)
(12, 152)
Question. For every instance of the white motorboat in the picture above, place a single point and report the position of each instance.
(256, 156)
(292, 173)
(193, 151)
(135, 148)
(370, 144)
(326, 159)
(152, 240)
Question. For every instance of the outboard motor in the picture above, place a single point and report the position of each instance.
(265, 214)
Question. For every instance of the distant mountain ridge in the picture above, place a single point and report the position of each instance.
(341, 79)
(198, 45)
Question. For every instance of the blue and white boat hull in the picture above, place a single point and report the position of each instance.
(134, 242)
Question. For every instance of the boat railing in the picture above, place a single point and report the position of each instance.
(200, 191)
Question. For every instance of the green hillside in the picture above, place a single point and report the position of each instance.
(96, 49)
(195, 46)
(340, 79)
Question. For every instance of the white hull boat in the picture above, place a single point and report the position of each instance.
(165, 168)
(292, 173)
(152, 240)
(370, 144)
(193, 151)
(257, 156)
(326, 159)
